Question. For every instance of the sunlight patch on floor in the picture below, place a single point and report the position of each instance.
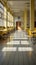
(13, 42)
(18, 42)
(19, 49)
(25, 49)
(9, 49)
(24, 42)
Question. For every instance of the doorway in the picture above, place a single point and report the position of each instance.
(18, 25)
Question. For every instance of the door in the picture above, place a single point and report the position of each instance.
(18, 25)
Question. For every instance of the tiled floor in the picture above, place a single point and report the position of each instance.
(17, 50)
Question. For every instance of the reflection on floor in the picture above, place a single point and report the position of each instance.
(17, 49)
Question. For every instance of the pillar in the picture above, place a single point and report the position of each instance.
(25, 19)
(31, 16)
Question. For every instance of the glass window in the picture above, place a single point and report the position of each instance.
(2, 15)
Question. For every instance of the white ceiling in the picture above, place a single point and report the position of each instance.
(18, 6)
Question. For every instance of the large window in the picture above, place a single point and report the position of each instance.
(10, 20)
(1, 11)
(2, 15)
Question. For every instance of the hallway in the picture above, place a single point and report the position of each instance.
(17, 32)
(17, 50)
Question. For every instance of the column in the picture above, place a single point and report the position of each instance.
(25, 19)
(31, 16)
